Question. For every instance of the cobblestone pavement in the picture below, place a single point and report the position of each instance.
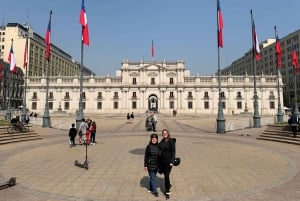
(215, 167)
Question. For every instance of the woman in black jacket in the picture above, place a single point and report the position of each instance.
(151, 162)
(167, 156)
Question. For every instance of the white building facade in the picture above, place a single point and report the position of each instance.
(158, 86)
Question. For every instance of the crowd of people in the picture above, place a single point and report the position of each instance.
(160, 158)
(86, 133)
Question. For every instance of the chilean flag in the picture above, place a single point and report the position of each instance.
(220, 25)
(12, 61)
(84, 24)
(256, 50)
(25, 54)
(47, 38)
(295, 60)
(278, 52)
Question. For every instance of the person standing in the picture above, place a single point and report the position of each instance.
(93, 133)
(167, 156)
(293, 121)
(72, 135)
(154, 122)
(82, 131)
(151, 162)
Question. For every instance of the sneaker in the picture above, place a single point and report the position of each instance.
(155, 194)
(168, 193)
(167, 196)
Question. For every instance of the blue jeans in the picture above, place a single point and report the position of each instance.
(153, 186)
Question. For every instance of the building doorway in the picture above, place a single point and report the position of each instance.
(153, 103)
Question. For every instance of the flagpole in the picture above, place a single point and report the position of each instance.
(279, 109)
(80, 114)
(8, 110)
(220, 117)
(46, 117)
(296, 111)
(24, 109)
(256, 117)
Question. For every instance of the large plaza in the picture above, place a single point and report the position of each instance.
(231, 167)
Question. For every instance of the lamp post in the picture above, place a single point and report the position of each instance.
(8, 110)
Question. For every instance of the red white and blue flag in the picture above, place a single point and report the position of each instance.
(256, 50)
(295, 60)
(11, 60)
(278, 52)
(152, 50)
(48, 37)
(220, 25)
(85, 28)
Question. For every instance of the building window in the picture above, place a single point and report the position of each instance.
(190, 105)
(116, 95)
(133, 94)
(239, 105)
(206, 94)
(272, 105)
(171, 94)
(99, 105)
(33, 105)
(134, 105)
(99, 95)
(222, 94)
(116, 105)
(171, 80)
(83, 105)
(51, 95)
(206, 105)
(271, 96)
(34, 95)
(50, 105)
(171, 104)
(67, 95)
(134, 81)
(152, 81)
(67, 106)
(224, 105)
(83, 95)
(238, 94)
(190, 94)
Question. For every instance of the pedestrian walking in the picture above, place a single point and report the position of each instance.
(93, 133)
(167, 156)
(154, 122)
(72, 135)
(151, 162)
(293, 122)
(82, 131)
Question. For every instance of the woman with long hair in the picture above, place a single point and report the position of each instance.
(167, 156)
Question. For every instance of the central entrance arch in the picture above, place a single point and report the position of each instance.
(153, 103)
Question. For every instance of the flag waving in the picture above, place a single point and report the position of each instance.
(220, 24)
(85, 28)
(48, 37)
(278, 50)
(11, 59)
(295, 60)
(25, 54)
(256, 50)
(152, 50)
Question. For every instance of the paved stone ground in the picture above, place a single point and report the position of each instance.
(219, 167)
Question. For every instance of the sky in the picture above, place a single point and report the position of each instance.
(121, 30)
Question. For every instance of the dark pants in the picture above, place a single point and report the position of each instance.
(93, 135)
(167, 170)
(72, 139)
(294, 129)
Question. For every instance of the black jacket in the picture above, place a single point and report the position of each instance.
(167, 150)
(151, 157)
(72, 132)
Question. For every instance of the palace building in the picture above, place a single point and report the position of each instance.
(157, 86)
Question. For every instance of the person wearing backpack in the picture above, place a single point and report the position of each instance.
(167, 156)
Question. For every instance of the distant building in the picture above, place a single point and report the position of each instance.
(267, 64)
(157, 86)
(61, 63)
(11, 87)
